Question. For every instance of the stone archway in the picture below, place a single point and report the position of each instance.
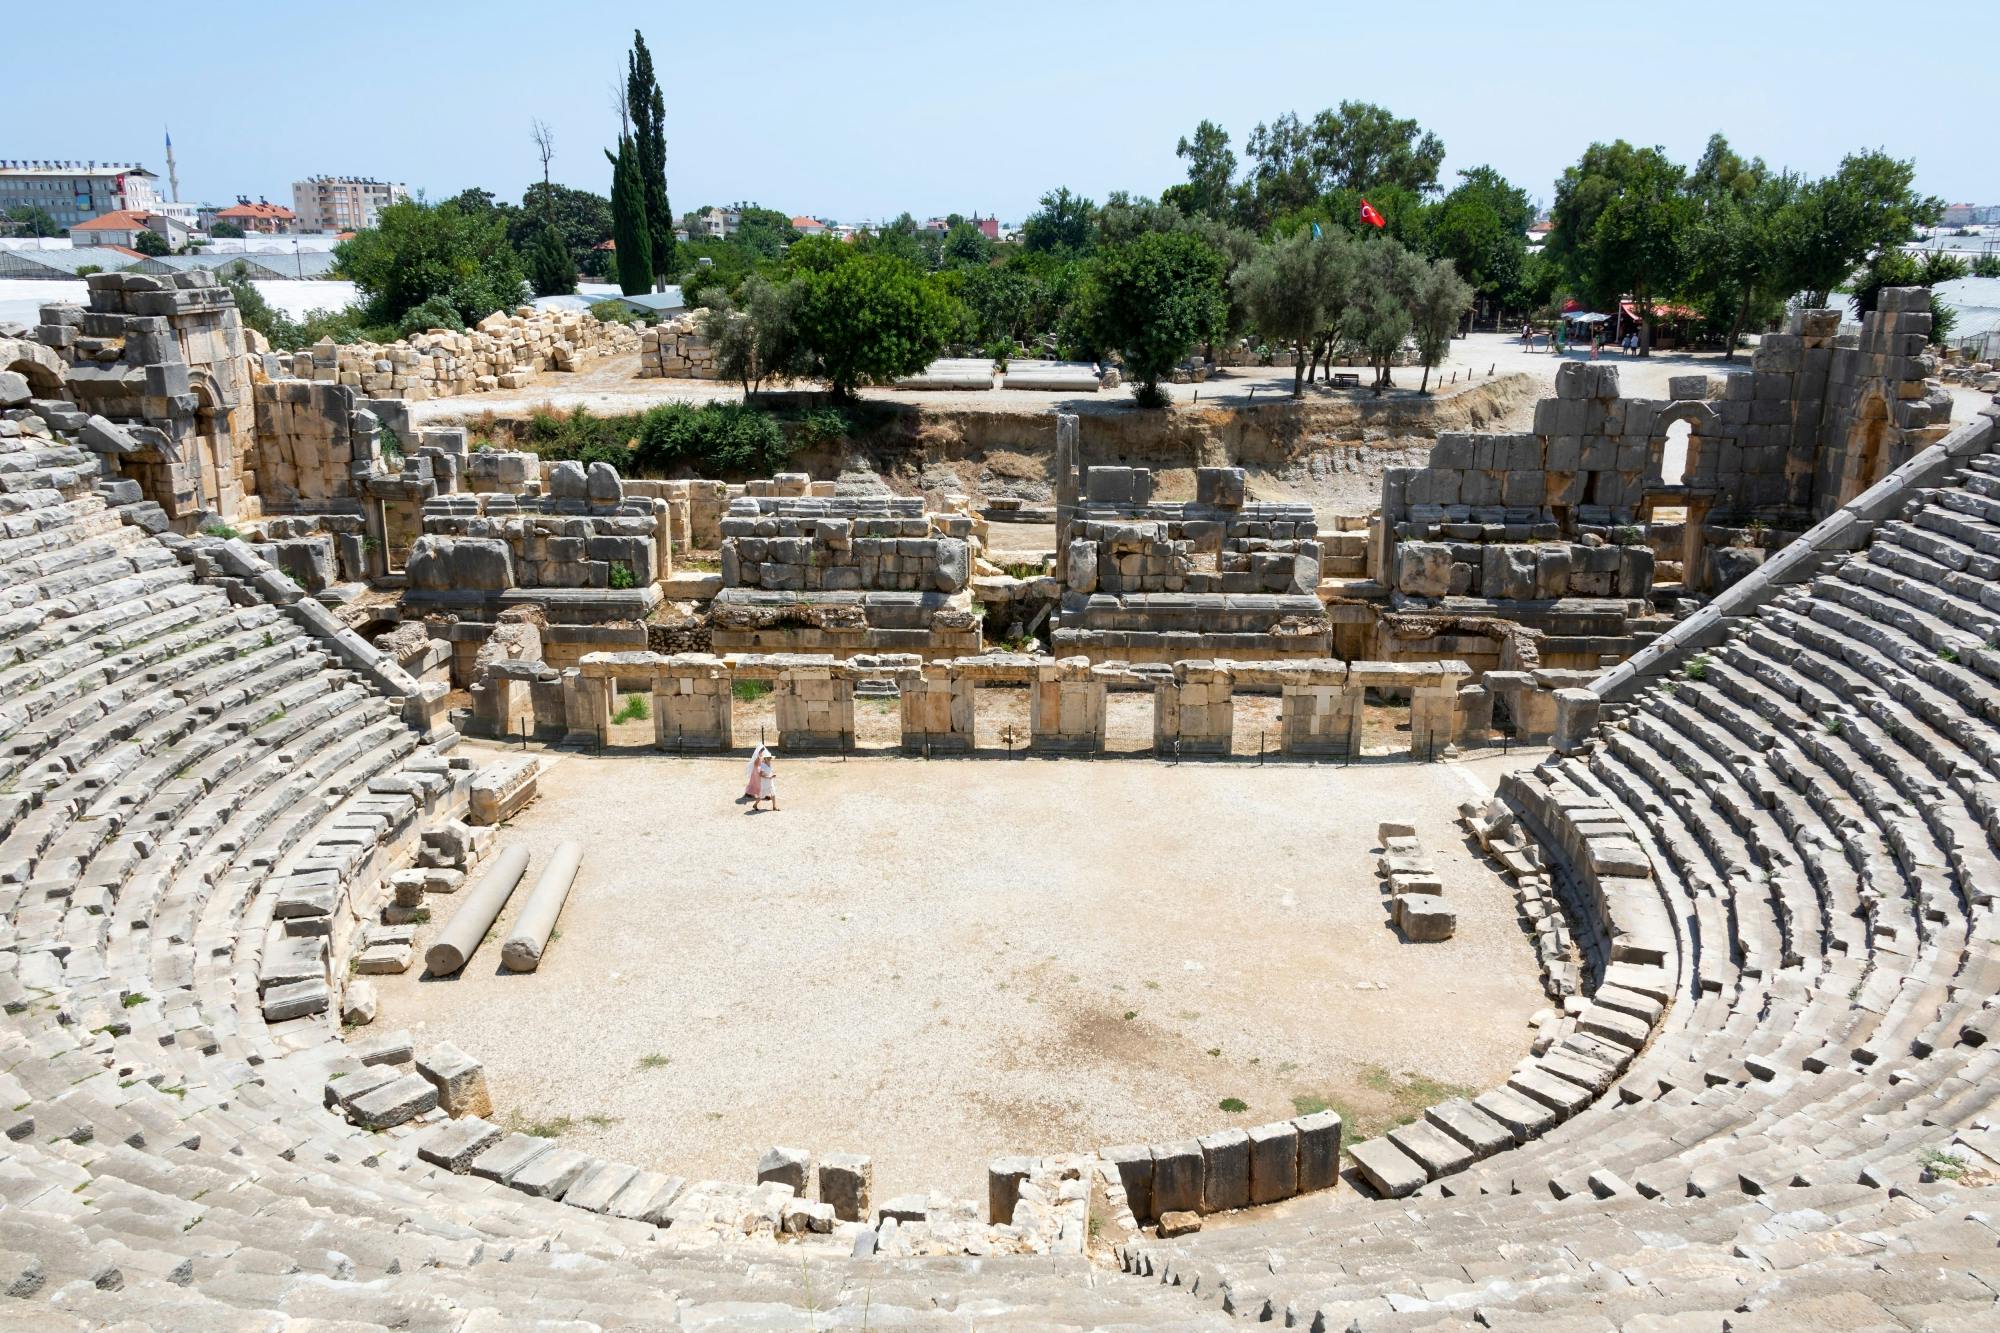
(1677, 443)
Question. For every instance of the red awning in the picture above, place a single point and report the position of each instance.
(1661, 310)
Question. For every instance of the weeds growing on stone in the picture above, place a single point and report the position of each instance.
(749, 691)
(1941, 1164)
(634, 709)
(1696, 667)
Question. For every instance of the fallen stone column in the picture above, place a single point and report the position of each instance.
(523, 950)
(475, 916)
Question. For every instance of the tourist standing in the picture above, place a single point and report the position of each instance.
(763, 780)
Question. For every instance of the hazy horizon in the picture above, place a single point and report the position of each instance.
(861, 116)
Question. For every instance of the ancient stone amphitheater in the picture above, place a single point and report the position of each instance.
(1775, 1111)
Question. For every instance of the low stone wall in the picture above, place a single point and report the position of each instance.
(676, 349)
(585, 533)
(1194, 706)
(501, 352)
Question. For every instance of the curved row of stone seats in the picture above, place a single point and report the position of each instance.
(195, 781)
(1816, 796)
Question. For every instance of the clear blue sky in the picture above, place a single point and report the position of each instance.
(861, 111)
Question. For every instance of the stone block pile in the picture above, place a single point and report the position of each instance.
(584, 533)
(676, 349)
(1151, 582)
(1542, 911)
(1418, 904)
(503, 351)
(842, 545)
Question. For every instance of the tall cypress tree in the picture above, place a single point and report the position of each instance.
(649, 138)
(628, 221)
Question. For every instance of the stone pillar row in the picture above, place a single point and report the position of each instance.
(1194, 708)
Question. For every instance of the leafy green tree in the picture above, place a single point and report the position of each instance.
(1210, 168)
(1440, 302)
(999, 303)
(551, 267)
(1623, 222)
(151, 243)
(870, 318)
(1482, 228)
(477, 202)
(965, 245)
(1358, 147)
(1741, 268)
(225, 231)
(1897, 267)
(1155, 299)
(629, 232)
(419, 252)
(1387, 278)
(581, 217)
(649, 147)
(756, 337)
(1294, 289)
(764, 231)
(34, 220)
(1063, 225)
(903, 239)
(1865, 207)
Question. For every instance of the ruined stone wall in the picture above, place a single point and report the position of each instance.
(675, 349)
(166, 359)
(502, 351)
(1817, 418)
(848, 546)
(585, 534)
(1881, 405)
(309, 439)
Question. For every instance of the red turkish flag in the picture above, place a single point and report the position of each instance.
(1370, 216)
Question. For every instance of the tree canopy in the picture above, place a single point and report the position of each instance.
(1154, 299)
(867, 318)
(437, 257)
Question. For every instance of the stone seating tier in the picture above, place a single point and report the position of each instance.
(1793, 1136)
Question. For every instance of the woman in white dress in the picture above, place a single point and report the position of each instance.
(763, 780)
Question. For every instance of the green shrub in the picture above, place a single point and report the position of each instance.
(822, 425)
(621, 577)
(616, 312)
(436, 313)
(727, 437)
(222, 530)
(749, 691)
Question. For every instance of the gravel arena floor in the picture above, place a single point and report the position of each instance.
(936, 963)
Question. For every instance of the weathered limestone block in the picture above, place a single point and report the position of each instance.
(845, 1182)
(791, 1167)
(460, 564)
(459, 1079)
(1425, 917)
(1274, 1162)
(1134, 1165)
(1423, 569)
(1178, 1184)
(502, 787)
(1004, 1176)
(937, 711)
(1066, 707)
(1319, 1150)
(1225, 1158)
